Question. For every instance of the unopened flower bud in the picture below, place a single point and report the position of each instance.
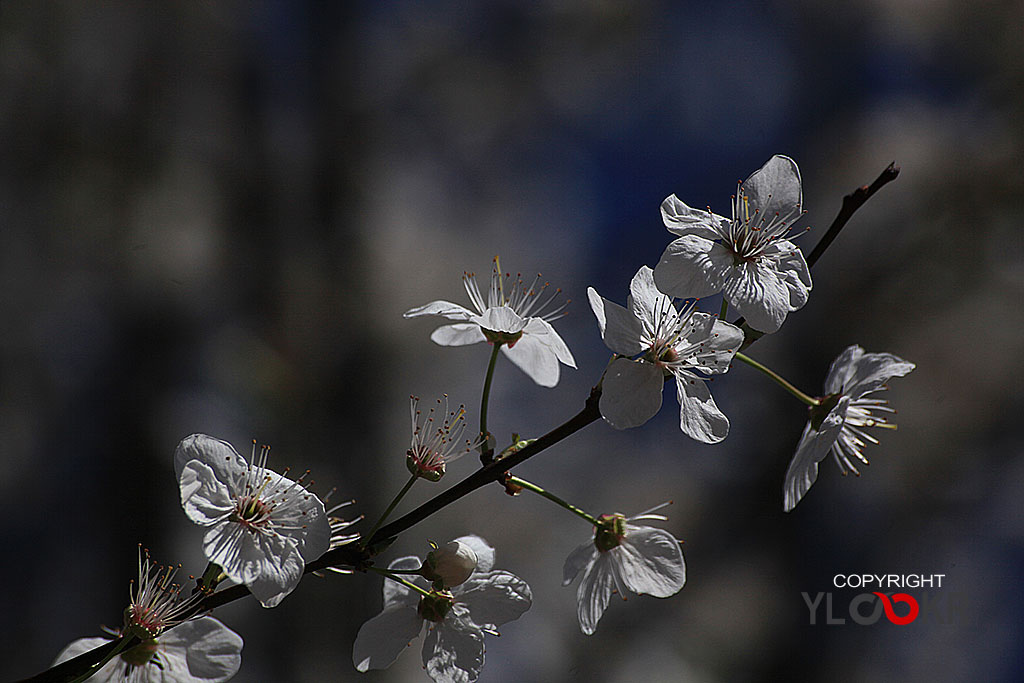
(449, 565)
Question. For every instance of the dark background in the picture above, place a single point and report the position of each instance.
(214, 214)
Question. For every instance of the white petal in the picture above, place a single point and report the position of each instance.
(453, 651)
(692, 266)
(620, 329)
(856, 373)
(578, 560)
(699, 416)
(270, 565)
(684, 220)
(631, 393)
(210, 650)
(500, 319)
(227, 464)
(534, 358)
(812, 449)
(650, 561)
(205, 499)
(717, 352)
(396, 593)
(495, 598)
(542, 331)
(484, 551)
(758, 293)
(792, 270)
(381, 639)
(594, 592)
(445, 308)
(459, 334)
(646, 302)
(278, 577)
(775, 187)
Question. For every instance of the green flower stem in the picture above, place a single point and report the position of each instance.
(725, 309)
(390, 509)
(122, 645)
(393, 575)
(553, 498)
(487, 453)
(804, 398)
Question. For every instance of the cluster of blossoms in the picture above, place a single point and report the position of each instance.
(263, 529)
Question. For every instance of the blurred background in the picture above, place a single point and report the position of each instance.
(212, 216)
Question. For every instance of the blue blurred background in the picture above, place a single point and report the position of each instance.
(214, 214)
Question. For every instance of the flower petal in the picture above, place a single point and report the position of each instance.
(535, 358)
(813, 447)
(692, 266)
(445, 308)
(716, 354)
(699, 416)
(542, 331)
(791, 267)
(631, 393)
(269, 564)
(279, 574)
(381, 639)
(650, 561)
(646, 302)
(578, 560)
(684, 220)
(209, 650)
(500, 319)
(484, 551)
(856, 373)
(494, 598)
(775, 187)
(453, 651)
(759, 294)
(206, 500)
(594, 592)
(459, 334)
(620, 329)
(227, 464)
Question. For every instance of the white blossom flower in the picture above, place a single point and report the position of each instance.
(669, 342)
(623, 556)
(749, 258)
(839, 423)
(199, 651)
(435, 442)
(262, 527)
(453, 650)
(516, 315)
